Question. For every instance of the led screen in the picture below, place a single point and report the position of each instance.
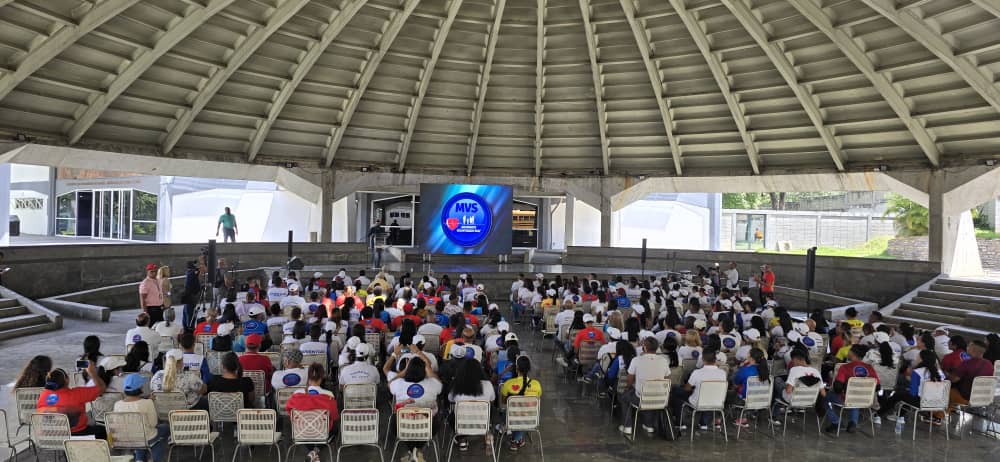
(465, 219)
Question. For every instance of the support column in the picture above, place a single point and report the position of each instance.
(352, 218)
(715, 220)
(5, 204)
(544, 224)
(935, 217)
(326, 207)
(605, 221)
(951, 233)
(570, 212)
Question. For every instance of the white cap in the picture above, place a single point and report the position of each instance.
(801, 328)
(493, 306)
(427, 285)
(699, 324)
(772, 303)
(638, 309)
(480, 287)
(588, 318)
(419, 340)
(363, 350)
(257, 310)
(317, 275)
(353, 342)
(510, 337)
(657, 283)
(457, 351)
(539, 276)
(550, 292)
(941, 329)
(176, 354)
(793, 336)
(503, 326)
(614, 333)
(112, 362)
(225, 329)
(752, 334)
(881, 337)
(644, 334)
(463, 276)
(293, 287)
(400, 302)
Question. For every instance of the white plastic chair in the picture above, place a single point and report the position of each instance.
(214, 359)
(191, 429)
(887, 377)
(711, 398)
(103, 405)
(860, 394)
(27, 402)
(933, 398)
(472, 418)
(360, 396)
(803, 399)
(318, 359)
(91, 451)
(654, 396)
(688, 366)
(981, 396)
(758, 398)
(275, 358)
(167, 343)
(415, 424)
(432, 344)
(48, 432)
(281, 397)
(127, 430)
(259, 379)
(168, 401)
(6, 439)
(257, 427)
(359, 427)
(310, 428)
(223, 407)
(523, 415)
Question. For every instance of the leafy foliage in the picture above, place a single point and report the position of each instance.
(912, 219)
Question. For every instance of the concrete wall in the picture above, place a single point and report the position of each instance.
(807, 229)
(876, 280)
(44, 271)
(915, 248)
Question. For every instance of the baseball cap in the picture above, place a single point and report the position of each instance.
(503, 326)
(353, 342)
(254, 340)
(942, 329)
(151, 267)
(644, 334)
(255, 311)
(317, 275)
(588, 318)
(550, 292)
(493, 306)
(639, 309)
(112, 362)
(457, 351)
(801, 328)
(293, 287)
(134, 382)
(419, 340)
(427, 285)
(225, 329)
(793, 336)
(699, 324)
(463, 276)
(752, 334)
(539, 276)
(363, 350)
(293, 355)
(614, 333)
(510, 337)
(480, 287)
(407, 308)
(176, 354)
(881, 337)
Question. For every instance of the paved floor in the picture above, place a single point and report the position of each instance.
(575, 427)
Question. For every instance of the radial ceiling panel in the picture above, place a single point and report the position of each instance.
(527, 87)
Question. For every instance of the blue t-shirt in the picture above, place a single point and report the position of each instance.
(442, 319)
(254, 326)
(623, 302)
(741, 378)
(502, 362)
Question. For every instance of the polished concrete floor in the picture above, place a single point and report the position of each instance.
(575, 427)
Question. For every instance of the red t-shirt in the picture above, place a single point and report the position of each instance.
(357, 302)
(258, 362)
(69, 401)
(205, 328)
(768, 283)
(373, 325)
(446, 334)
(313, 400)
(399, 321)
(471, 319)
(952, 360)
(855, 369)
(588, 334)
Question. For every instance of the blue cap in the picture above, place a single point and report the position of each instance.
(134, 382)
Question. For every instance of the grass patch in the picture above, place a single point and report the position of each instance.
(875, 248)
(987, 234)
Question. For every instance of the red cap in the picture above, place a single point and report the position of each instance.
(408, 308)
(151, 267)
(254, 340)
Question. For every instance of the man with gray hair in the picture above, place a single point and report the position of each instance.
(293, 374)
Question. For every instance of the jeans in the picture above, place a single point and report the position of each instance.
(188, 315)
(158, 444)
(834, 398)
(228, 234)
(517, 309)
(679, 396)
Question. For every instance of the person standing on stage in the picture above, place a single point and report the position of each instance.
(151, 295)
(227, 221)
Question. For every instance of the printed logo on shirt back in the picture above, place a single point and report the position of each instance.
(729, 342)
(590, 335)
(499, 341)
(291, 380)
(808, 341)
(695, 354)
(207, 328)
(965, 356)
(860, 371)
(52, 399)
(415, 391)
(136, 338)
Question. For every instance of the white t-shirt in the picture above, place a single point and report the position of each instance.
(290, 378)
(360, 372)
(144, 334)
(279, 321)
(648, 367)
(797, 372)
(173, 330)
(276, 294)
(689, 352)
(429, 328)
(704, 374)
(192, 361)
(732, 278)
(564, 318)
(313, 348)
(493, 343)
(487, 395)
(720, 358)
(423, 393)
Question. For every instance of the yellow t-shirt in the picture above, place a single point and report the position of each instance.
(842, 353)
(512, 387)
(855, 323)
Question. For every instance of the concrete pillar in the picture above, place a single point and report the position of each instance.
(5, 204)
(951, 233)
(544, 224)
(605, 221)
(570, 213)
(935, 216)
(352, 218)
(51, 204)
(326, 207)
(714, 220)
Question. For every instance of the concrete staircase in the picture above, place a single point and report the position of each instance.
(16, 320)
(970, 308)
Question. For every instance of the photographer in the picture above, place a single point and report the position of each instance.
(192, 292)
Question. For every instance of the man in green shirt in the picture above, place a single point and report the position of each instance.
(227, 221)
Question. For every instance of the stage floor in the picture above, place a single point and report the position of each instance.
(474, 268)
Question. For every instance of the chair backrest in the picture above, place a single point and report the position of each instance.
(27, 403)
(804, 397)
(934, 395)
(860, 392)
(4, 430)
(360, 396)
(276, 332)
(778, 368)
(432, 344)
(374, 339)
(275, 358)
(200, 349)
(214, 359)
(472, 418)
(166, 401)
(49, 430)
(318, 359)
(758, 394)
(359, 426)
(712, 394)
(190, 428)
(982, 393)
(310, 426)
(588, 353)
(655, 395)
(126, 430)
(167, 343)
(887, 376)
(282, 395)
(259, 379)
(204, 340)
(87, 451)
(103, 405)
(622, 383)
(413, 424)
(222, 407)
(587, 307)
(523, 413)
(256, 426)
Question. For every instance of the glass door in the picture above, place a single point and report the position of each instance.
(112, 214)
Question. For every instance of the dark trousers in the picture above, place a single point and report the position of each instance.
(155, 314)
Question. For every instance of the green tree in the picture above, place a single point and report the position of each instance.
(742, 200)
(911, 218)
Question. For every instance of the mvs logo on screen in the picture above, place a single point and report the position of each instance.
(465, 219)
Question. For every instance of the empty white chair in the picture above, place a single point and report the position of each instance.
(472, 418)
(27, 403)
(654, 396)
(191, 429)
(6, 439)
(168, 401)
(981, 396)
(523, 415)
(48, 432)
(91, 451)
(711, 398)
(223, 407)
(414, 424)
(259, 379)
(257, 427)
(803, 399)
(758, 398)
(310, 428)
(359, 427)
(860, 394)
(933, 398)
(360, 396)
(127, 430)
